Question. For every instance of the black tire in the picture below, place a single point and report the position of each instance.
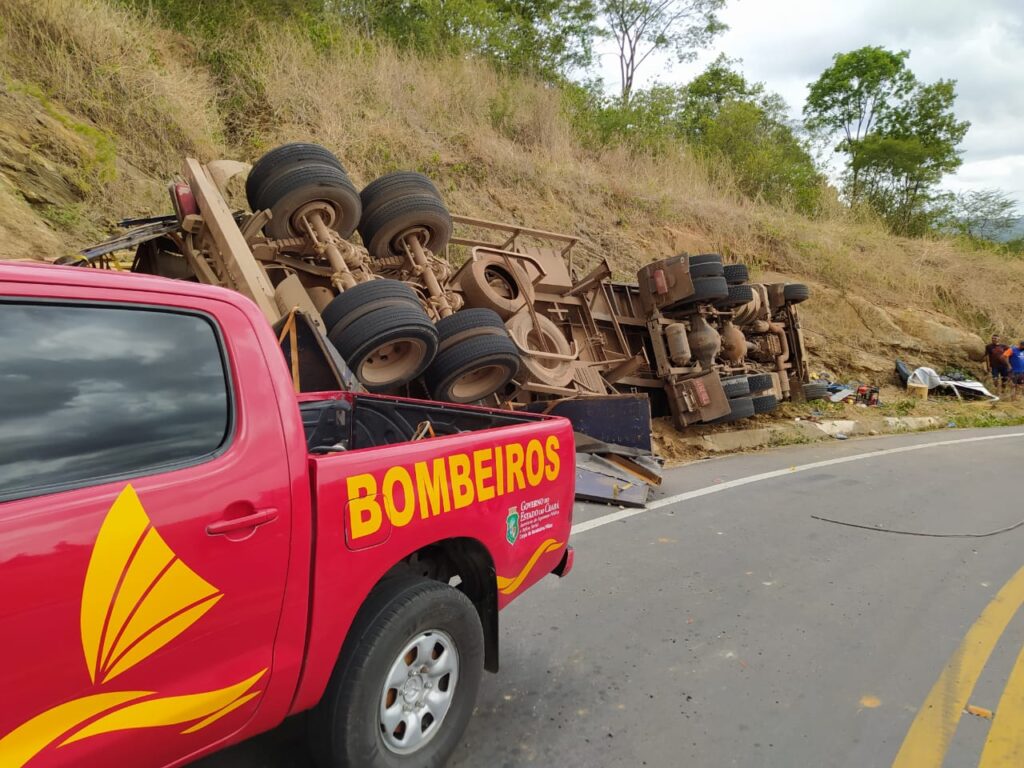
(707, 290)
(794, 293)
(474, 368)
(467, 319)
(360, 340)
(708, 269)
(380, 230)
(345, 728)
(388, 291)
(765, 403)
(281, 158)
(296, 187)
(736, 386)
(392, 186)
(741, 408)
(705, 258)
(815, 390)
(738, 296)
(736, 273)
(760, 382)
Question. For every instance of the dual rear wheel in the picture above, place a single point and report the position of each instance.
(381, 327)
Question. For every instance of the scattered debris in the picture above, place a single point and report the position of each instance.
(929, 379)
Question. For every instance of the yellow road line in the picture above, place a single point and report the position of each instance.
(1005, 743)
(932, 731)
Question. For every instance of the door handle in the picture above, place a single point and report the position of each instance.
(254, 520)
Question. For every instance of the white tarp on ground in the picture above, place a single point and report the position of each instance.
(927, 377)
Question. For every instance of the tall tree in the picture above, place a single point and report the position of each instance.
(899, 136)
(641, 27)
(852, 97)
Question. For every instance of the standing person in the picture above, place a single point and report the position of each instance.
(998, 364)
(1015, 356)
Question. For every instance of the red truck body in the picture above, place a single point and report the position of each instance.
(153, 618)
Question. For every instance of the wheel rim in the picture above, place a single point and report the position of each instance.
(535, 344)
(418, 692)
(393, 363)
(502, 283)
(478, 383)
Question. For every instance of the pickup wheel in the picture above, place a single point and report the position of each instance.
(405, 685)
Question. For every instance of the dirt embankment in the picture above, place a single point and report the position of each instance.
(98, 104)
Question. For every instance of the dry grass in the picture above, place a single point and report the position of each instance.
(498, 147)
(123, 74)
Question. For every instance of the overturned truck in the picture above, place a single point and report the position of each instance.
(466, 310)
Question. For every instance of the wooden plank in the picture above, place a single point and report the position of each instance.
(243, 270)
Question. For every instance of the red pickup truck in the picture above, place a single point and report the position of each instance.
(189, 552)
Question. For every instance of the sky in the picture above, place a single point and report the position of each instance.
(786, 44)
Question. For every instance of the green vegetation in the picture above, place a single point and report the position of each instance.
(899, 136)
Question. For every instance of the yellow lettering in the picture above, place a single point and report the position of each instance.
(499, 470)
(364, 512)
(433, 488)
(554, 463)
(400, 517)
(514, 468)
(534, 462)
(461, 480)
(483, 472)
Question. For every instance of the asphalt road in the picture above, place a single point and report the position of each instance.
(730, 628)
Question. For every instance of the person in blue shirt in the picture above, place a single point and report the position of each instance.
(1015, 356)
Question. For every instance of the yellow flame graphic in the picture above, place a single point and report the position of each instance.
(507, 586)
(138, 595)
(171, 710)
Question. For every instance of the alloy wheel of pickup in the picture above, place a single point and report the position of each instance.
(403, 690)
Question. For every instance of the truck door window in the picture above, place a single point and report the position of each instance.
(90, 394)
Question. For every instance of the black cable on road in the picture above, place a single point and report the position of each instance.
(879, 529)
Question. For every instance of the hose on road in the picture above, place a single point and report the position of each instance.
(879, 529)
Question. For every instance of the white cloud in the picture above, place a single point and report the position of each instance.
(980, 44)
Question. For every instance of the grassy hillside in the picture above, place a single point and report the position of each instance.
(99, 101)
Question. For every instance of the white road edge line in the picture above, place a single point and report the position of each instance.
(625, 514)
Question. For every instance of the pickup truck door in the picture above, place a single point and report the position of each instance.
(145, 510)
